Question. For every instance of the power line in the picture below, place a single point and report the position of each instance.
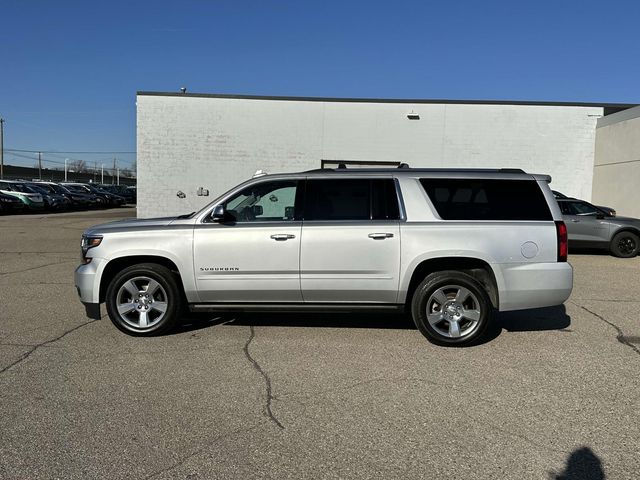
(95, 152)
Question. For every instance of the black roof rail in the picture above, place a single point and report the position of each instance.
(404, 165)
(512, 170)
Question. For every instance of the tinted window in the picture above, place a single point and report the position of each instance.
(565, 208)
(584, 208)
(384, 200)
(264, 202)
(351, 199)
(475, 199)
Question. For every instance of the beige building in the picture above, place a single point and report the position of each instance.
(616, 178)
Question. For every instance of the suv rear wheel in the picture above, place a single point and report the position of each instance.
(144, 300)
(451, 308)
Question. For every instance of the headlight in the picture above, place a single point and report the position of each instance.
(87, 242)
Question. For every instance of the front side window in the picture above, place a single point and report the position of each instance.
(584, 208)
(264, 202)
(351, 199)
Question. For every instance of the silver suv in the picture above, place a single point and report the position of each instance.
(450, 246)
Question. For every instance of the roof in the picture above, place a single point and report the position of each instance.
(609, 107)
(470, 173)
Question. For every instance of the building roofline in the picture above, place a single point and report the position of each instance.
(615, 106)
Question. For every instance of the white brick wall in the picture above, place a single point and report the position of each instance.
(190, 142)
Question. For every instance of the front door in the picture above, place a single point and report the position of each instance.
(254, 255)
(350, 248)
(583, 226)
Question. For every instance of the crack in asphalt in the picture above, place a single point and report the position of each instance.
(29, 352)
(267, 380)
(215, 440)
(34, 268)
(620, 334)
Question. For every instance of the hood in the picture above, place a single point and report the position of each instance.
(129, 225)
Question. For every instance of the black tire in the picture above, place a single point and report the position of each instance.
(625, 245)
(451, 283)
(166, 295)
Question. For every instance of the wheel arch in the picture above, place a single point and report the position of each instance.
(116, 265)
(629, 229)
(480, 269)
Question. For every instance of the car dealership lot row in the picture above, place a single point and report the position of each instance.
(308, 396)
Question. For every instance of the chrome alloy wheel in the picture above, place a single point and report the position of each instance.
(141, 302)
(453, 311)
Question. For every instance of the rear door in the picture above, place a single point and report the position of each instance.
(350, 249)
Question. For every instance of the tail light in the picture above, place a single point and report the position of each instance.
(563, 243)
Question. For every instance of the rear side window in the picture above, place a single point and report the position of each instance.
(477, 199)
(351, 199)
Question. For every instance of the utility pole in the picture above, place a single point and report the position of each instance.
(40, 165)
(95, 170)
(1, 148)
(114, 170)
(118, 173)
(65, 169)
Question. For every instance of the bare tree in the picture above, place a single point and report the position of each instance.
(79, 166)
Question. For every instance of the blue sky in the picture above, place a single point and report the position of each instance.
(69, 70)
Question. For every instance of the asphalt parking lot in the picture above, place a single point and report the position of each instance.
(553, 394)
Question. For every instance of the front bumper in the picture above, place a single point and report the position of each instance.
(87, 282)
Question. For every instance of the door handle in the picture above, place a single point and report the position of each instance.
(575, 221)
(380, 236)
(282, 236)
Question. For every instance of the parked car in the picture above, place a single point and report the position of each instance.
(589, 226)
(79, 188)
(120, 190)
(32, 200)
(10, 204)
(330, 240)
(77, 199)
(108, 199)
(52, 200)
(607, 210)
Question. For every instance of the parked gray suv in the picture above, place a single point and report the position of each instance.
(590, 226)
(449, 246)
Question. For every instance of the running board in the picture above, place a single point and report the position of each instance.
(295, 307)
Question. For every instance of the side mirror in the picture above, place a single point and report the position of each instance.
(600, 216)
(218, 214)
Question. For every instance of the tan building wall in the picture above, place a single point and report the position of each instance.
(616, 176)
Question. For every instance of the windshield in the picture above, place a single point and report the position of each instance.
(60, 189)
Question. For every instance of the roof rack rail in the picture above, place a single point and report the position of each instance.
(512, 170)
(404, 165)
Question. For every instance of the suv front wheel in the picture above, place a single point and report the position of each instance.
(144, 300)
(451, 308)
